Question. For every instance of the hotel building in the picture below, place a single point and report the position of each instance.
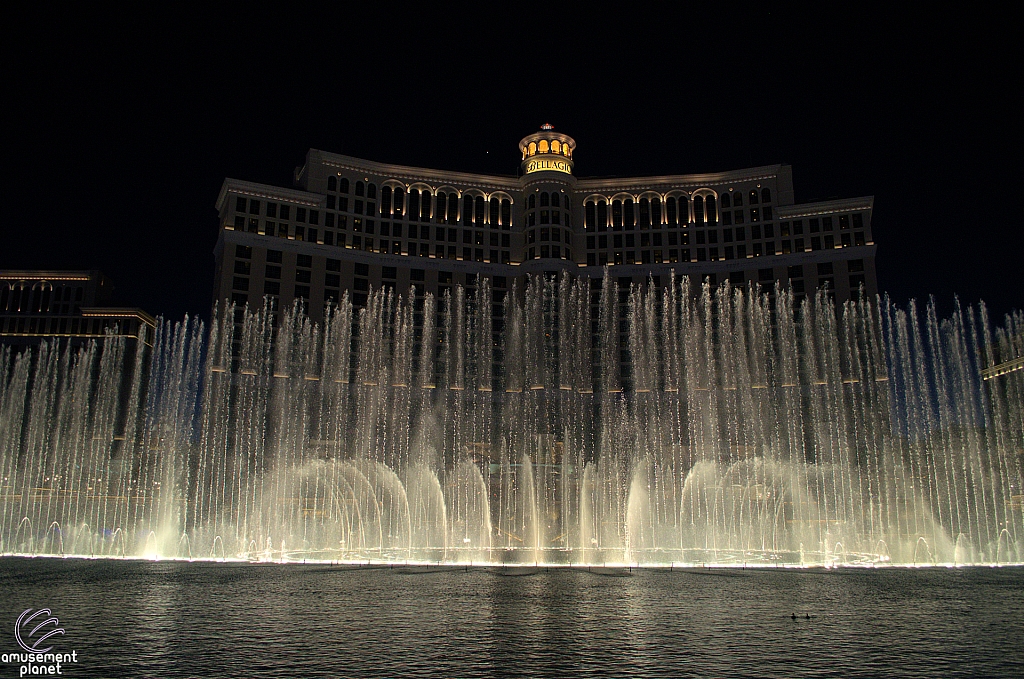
(66, 305)
(352, 225)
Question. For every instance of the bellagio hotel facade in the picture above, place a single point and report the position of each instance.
(353, 225)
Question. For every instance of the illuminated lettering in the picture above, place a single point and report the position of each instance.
(541, 164)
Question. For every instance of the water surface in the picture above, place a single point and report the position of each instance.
(180, 619)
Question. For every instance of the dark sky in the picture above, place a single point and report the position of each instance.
(122, 127)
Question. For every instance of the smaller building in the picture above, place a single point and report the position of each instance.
(71, 305)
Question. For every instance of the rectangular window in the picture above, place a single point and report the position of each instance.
(271, 288)
(303, 276)
(300, 214)
(302, 291)
(272, 271)
(240, 283)
(274, 256)
(844, 221)
(272, 210)
(240, 204)
(305, 261)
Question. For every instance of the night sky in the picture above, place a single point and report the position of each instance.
(122, 127)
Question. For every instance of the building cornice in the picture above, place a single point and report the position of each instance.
(825, 207)
(267, 191)
(681, 181)
(38, 275)
(417, 174)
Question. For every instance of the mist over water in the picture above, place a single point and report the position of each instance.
(560, 423)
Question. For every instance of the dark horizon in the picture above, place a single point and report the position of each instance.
(123, 133)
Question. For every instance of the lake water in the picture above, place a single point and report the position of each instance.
(176, 619)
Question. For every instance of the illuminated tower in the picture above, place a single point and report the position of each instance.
(548, 186)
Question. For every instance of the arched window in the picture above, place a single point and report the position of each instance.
(467, 211)
(531, 202)
(545, 200)
(41, 297)
(360, 188)
(617, 215)
(543, 146)
(425, 207)
(656, 212)
(554, 199)
(495, 207)
(414, 204)
(698, 210)
(671, 215)
(506, 213)
(453, 208)
(737, 199)
(628, 214)
(385, 201)
(441, 213)
(399, 201)
(343, 185)
(710, 209)
(753, 197)
(532, 148)
(725, 200)
(565, 201)
(371, 191)
(556, 147)
(766, 195)
(645, 213)
(332, 183)
(479, 210)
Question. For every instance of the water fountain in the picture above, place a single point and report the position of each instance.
(744, 431)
